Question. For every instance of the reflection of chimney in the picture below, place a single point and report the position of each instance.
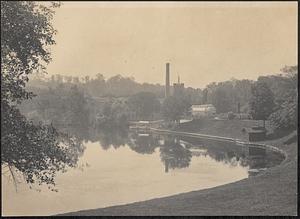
(167, 93)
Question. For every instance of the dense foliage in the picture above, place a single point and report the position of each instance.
(61, 106)
(35, 150)
(286, 114)
(26, 30)
(262, 101)
(114, 114)
(144, 105)
(228, 95)
(115, 86)
(173, 108)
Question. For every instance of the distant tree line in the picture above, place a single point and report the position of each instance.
(273, 95)
(232, 95)
(59, 105)
(68, 105)
(115, 86)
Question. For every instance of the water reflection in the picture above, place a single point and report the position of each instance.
(121, 167)
(173, 154)
(225, 152)
(176, 152)
(106, 137)
(143, 143)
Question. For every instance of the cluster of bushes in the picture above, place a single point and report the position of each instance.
(273, 98)
(284, 115)
(113, 114)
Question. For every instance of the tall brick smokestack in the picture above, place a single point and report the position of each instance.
(167, 93)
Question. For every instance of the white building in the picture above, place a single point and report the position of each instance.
(204, 110)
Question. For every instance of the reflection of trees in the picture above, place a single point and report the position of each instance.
(80, 132)
(143, 144)
(233, 158)
(257, 162)
(228, 157)
(242, 160)
(174, 155)
(112, 137)
(106, 137)
(221, 151)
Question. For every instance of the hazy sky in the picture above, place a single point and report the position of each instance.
(204, 42)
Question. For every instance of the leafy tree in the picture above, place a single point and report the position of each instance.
(226, 95)
(222, 99)
(114, 114)
(144, 104)
(96, 87)
(242, 92)
(285, 117)
(37, 151)
(279, 85)
(175, 107)
(195, 95)
(76, 102)
(262, 101)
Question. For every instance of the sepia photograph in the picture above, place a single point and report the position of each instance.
(149, 108)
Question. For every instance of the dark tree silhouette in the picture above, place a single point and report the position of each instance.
(262, 101)
(285, 117)
(144, 104)
(174, 107)
(37, 151)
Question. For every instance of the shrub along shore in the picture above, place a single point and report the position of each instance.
(273, 192)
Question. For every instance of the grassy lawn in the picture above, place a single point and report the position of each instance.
(224, 128)
(273, 192)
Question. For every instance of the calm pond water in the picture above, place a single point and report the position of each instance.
(118, 168)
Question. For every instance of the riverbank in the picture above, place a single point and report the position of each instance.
(270, 193)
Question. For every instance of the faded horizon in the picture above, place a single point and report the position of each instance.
(204, 42)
